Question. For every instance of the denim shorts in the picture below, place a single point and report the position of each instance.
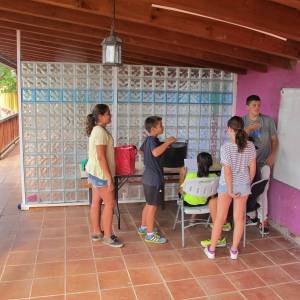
(242, 189)
(97, 182)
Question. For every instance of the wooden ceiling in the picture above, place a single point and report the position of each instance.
(231, 35)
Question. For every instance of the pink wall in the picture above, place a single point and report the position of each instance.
(284, 201)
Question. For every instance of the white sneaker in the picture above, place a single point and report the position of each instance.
(233, 254)
(208, 253)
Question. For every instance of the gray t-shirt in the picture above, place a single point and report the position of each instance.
(262, 137)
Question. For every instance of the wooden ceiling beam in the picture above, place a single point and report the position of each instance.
(289, 3)
(6, 60)
(169, 21)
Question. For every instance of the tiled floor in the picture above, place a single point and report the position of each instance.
(47, 254)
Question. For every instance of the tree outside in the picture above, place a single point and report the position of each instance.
(8, 81)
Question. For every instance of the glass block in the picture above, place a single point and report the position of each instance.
(123, 96)
(136, 71)
(28, 68)
(216, 86)
(172, 97)
(29, 122)
(42, 95)
(68, 69)
(195, 85)
(43, 160)
(182, 133)
(122, 108)
(68, 82)
(81, 146)
(42, 135)
(123, 70)
(148, 71)
(171, 121)
(183, 97)
(172, 85)
(82, 195)
(106, 71)
(204, 121)
(183, 121)
(56, 160)
(30, 172)
(193, 121)
(45, 197)
(135, 96)
(227, 76)
(148, 84)
(55, 122)
(193, 143)
(69, 184)
(148, 96)
(148, 109)
(29, 160)
(69, 159)
(107, 96)
(227, 98)
(195, 109)
(55, 82)
(205, 73)
(204, 133)
(41, 69)
(94, 69)
(159, 71)
(94, 83)
(195, 73)
(159, 84)
(57, 197)
(81, 134)
(205, 85)
(28, 82)
(194, 98)
(171, 72)
(227, 87)
(217, 74)
(55, 95)
(226, 110)
(56, 147)
(69, 171)
(183, 110)
(160, 109)
(183, 73)
(81, 82)
(28, 95)
(205, 110)
(55, 135)
(68, 109)
(68, 95)
(81, 69)
(28, 109)
(55, 109)
(44, 172)
(82, 95)
(80, 121)
(171, 131)
(193, 132)
(70, 196)
(44, 184)
(55, 69)
(172, 109)
(43, 147)
(31, 184)
(69, 147)
(204, 145)
(42, 122)
(135, 83)
(123, 83)
(160, 97)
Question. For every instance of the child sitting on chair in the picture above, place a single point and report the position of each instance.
(204, 162)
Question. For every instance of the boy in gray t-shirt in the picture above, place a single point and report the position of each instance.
(262, 130)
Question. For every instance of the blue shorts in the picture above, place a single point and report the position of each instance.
(242, 189)
(97, 182)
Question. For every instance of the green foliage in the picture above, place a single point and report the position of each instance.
(8, 81)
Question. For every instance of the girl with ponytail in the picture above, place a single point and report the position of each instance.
(101, 169)
(238, 159)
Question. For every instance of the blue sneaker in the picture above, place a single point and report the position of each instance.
(155, 239)
(143, 231)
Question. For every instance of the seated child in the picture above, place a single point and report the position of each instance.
(204, 162)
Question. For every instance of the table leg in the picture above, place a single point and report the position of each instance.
(117, 201)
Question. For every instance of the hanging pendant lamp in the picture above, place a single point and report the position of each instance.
(112, 45)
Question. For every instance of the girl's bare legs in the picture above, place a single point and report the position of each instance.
(95, 213)
(239, 207)
(212, 204)
(144, 216)
(224, 201)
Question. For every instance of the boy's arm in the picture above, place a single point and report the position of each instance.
(228, 178)
(163, 147)
(182, 174)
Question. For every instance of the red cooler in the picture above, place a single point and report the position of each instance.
(125, 159)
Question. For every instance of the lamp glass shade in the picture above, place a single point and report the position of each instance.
(111, 50)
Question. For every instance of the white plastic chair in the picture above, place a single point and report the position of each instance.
(203, 187)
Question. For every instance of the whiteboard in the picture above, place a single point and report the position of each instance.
(287, 164)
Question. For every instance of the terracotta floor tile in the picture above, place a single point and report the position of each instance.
(25, 245)
(295, 252)
(216, 284)
(129, 237)
(117, 279)
(281, 257)
(54, 224)
(76, 267)
(134, 248)
(51, 233)
(227, 296)
(184, 289)
(77, 230)
(153, 291)
(48, 286)
(54, 269)
(284, 243)
(145, 276)
(165, 257)
(203, 268)
(293, 270)
(49, 244)
(272, 275)
(191, 254)
(175, 272)
(84, 296)
(54, 255)
(60, 297)
(17, 272)
(21, 258)
(110, 264)
(15, 289)
(78, 241)
(228, 265)
(82, 283)
(118, 294)
(140, 260)
(245, 280)
(79, 253)
(260, 293)
(256, 260)
(156, 248)
(70, 220)
(188, 243)
(248, 249)
(106, 251)
(266, 244)
(288, 291)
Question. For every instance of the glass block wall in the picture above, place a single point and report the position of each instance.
(56, 97)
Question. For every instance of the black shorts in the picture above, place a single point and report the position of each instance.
(154, 195)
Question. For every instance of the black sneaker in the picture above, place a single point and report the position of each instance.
(251, 221)
(97, 237)
(113, 241)
(266, 230)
